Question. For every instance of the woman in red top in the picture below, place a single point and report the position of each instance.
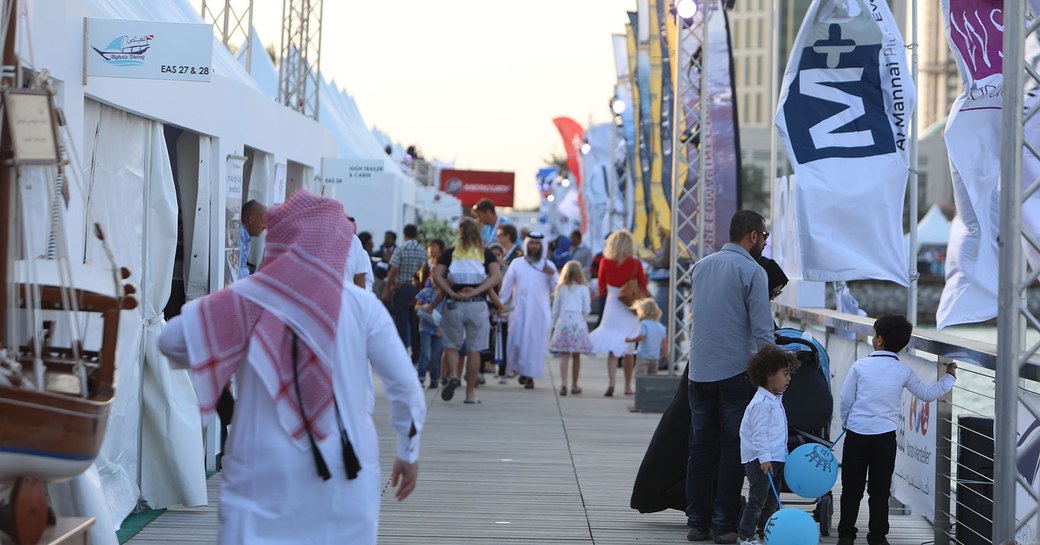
(619, 265)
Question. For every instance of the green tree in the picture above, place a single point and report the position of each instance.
(560, 162)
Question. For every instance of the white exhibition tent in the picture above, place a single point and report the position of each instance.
(152, 154)
(155, 154)
(932, 230)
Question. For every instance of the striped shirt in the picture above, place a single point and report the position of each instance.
(409, 258)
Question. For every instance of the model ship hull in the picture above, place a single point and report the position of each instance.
(48, 433)
(53, 436)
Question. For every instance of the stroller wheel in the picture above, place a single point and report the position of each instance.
(825, 510)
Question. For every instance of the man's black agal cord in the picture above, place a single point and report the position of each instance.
(350, 459)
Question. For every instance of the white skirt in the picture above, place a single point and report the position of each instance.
(619, 322)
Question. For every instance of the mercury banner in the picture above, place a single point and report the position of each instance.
(844, 115)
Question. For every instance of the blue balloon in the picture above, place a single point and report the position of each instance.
(790, 526)
(811, 470)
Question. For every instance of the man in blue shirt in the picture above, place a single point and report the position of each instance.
(252, 225)
(731, 322)
(489, 220)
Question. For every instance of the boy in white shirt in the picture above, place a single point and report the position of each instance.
(870, 402)
(763, 437)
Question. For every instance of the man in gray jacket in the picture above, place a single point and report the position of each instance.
(731, 321)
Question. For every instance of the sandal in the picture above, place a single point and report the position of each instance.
(563, 390)
(610, 391)
(575, 390)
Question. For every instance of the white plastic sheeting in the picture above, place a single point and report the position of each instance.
(130, 189)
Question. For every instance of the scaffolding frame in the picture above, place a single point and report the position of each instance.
(232, 19)
(1013, 355)
(299, 69)
(687, 191)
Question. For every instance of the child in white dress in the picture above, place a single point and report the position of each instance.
(570, 338)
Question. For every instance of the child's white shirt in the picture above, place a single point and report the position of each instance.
(763, 430)
(571, 298)
(873, 390)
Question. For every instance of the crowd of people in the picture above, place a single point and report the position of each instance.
(301, 337)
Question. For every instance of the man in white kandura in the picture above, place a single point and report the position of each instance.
(528, 284)
(302, 464)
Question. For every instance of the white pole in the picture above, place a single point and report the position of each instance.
(774, 60)
(612, 171)
(911, 298)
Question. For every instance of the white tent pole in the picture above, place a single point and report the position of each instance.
(911, 298)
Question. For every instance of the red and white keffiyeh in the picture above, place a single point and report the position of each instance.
(298, 288)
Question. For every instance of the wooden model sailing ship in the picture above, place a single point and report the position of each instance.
(57, 376)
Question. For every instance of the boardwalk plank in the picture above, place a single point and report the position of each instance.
(524, 466)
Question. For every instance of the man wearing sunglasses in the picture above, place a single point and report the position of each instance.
(731, 321)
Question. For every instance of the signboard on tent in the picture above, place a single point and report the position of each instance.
(335, 171)
(278, 195)
(470, 186)
(233, 218)
(119, 48)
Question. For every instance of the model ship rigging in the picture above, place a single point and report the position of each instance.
(57, 361)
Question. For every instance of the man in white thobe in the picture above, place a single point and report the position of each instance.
(528, 284)
(302, 464)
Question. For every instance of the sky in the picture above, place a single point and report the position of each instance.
(475, 82)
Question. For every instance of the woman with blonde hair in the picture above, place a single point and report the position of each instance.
(619, 265)
(570, 338)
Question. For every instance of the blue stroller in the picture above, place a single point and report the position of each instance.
(809, 404)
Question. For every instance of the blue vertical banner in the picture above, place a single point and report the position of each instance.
(844, 115)
(664, 15)
(646, 124)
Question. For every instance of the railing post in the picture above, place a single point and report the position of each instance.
(943, 464)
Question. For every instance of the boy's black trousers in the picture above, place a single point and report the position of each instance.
(874, 455)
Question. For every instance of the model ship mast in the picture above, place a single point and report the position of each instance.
(55, 390)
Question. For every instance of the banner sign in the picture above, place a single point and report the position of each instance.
(573, 136)
(278, 196)
(644, 195)
(722, 180)
(844, 115)
(470, 186)
(233, 218)
(336, 171)
(913, 480)
(975, 30)
(1028, 465)
(119, 48)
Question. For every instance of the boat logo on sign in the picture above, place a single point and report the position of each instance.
(836, 105)
(126, 50)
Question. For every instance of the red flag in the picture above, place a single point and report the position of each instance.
(573, 137)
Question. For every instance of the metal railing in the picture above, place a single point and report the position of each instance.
(956, 489)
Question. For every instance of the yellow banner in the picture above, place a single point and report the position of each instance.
(639, 198)
(661, 214)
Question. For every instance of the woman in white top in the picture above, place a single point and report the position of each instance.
(570, 332)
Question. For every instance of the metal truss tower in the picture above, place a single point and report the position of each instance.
(232, 21)
(299, 70)
(1014, 354)
(690, 124)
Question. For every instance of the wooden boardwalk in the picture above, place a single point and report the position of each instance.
(524, 466)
